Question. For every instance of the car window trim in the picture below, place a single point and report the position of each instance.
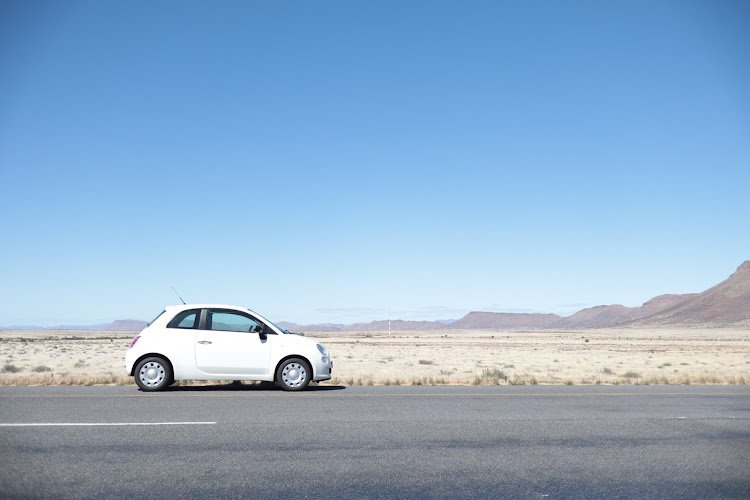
(197, 312)
(204, 320)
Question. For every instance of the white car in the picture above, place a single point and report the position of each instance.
(221, 342)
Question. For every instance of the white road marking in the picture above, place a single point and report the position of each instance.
(99, 424)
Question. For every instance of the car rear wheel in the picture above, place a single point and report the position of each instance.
(293, 374)
(153, 374)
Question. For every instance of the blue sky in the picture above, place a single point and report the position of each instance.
(328, 161)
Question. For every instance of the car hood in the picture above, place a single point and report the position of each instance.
(299, 339)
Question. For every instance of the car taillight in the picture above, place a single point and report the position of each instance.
(134, 341)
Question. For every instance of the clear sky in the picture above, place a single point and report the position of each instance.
(325, 161)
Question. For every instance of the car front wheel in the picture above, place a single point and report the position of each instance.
(293, 374)
(153, 374)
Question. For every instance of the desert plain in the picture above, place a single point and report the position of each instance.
(591, 356)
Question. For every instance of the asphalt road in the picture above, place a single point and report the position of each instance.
(376, 442)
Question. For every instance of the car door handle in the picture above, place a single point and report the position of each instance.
(205, 342)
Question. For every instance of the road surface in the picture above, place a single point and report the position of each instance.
(376, 442)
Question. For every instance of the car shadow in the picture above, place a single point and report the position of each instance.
(240, 387)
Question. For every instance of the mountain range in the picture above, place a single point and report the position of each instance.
(726, 303)
(120, 325)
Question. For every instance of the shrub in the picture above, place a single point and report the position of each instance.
(11, 368)
(42, 368)
(493, 375)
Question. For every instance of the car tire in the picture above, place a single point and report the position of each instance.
(293, 374)
(153, 374)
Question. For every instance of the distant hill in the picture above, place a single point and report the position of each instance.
(727, 302)
(505, 321)
(120, 325)
(125, 325)
(323, 327)
(597, 316)
(397, 324)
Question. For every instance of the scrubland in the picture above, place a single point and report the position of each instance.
(606, 356)
(616, 356)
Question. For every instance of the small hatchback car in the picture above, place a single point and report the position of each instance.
(221, 342)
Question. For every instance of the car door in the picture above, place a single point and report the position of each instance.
(231, 342)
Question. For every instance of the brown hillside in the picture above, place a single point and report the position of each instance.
(598, 316)
(729, 301)
(662, 302)
(602, 316)
(479, 319)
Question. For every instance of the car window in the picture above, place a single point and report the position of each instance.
(186, 319)
(230, 321)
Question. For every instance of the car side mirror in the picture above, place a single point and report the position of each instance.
(262, 332)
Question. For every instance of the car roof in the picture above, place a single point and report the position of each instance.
(182, 307)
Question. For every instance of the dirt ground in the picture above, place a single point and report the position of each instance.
(611, 356)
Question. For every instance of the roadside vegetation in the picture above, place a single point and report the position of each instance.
(473, 358)
(34, 379)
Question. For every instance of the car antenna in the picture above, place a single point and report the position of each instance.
(175, 291)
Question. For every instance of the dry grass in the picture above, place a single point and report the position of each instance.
(66, 380)
(617, 356)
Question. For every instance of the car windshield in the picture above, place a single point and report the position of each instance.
(272, 323)
(278, 327)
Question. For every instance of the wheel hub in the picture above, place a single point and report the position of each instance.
(294, 375)
(152, 374)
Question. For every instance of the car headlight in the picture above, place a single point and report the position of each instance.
(325, 359)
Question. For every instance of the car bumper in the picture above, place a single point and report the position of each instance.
(324, 372)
